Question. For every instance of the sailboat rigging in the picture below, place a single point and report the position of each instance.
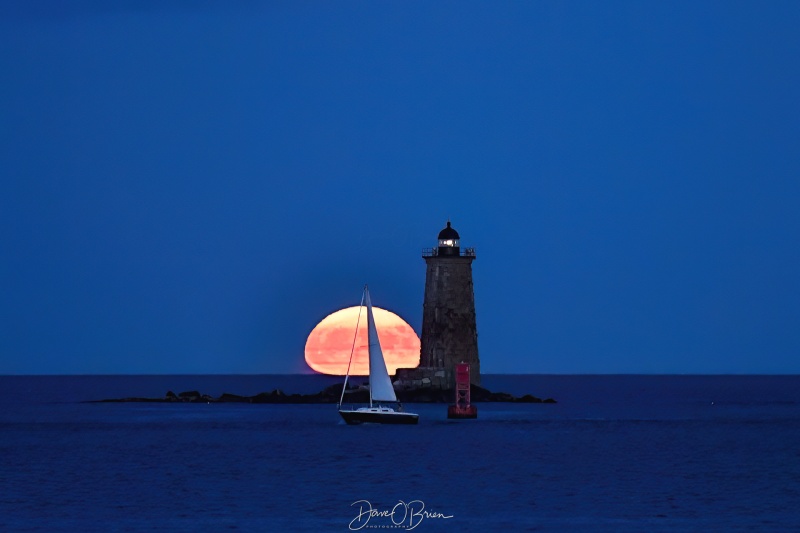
(380, 385)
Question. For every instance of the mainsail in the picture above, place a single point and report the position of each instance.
(381, 389)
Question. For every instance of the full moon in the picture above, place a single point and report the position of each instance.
(329, 343)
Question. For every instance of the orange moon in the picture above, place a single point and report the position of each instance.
(329, 343)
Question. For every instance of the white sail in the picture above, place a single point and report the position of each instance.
(380, 385)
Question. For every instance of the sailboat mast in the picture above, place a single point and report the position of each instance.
(353, 349)
(380, 384)
(369, 324)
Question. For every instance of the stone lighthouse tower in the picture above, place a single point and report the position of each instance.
(449, 331)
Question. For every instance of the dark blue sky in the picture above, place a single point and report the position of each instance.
(191, 189)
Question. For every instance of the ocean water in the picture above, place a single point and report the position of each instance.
(617, 453)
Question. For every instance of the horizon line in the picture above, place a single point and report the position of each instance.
(366, 376)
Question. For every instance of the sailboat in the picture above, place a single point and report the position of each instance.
(380, 386)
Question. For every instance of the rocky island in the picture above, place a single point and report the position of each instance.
(355, 395)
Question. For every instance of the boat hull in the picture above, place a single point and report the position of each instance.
(364, 416)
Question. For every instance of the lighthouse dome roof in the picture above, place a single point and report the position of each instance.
(448, 233)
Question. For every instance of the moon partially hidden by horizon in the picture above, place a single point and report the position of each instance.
(329, 344)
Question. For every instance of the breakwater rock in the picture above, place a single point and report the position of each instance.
(353, 395)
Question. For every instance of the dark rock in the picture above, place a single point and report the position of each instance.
(275, 396)
(424, 395)
(529, 399)
(355, 395)
(352, 395)
(227, 397)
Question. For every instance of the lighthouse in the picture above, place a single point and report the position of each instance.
(449, 330)
(449, 333)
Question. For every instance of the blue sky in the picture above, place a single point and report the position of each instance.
(190, 187)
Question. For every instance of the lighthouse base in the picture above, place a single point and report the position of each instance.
(454, 411)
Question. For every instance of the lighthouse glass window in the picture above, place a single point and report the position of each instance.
(450, 243)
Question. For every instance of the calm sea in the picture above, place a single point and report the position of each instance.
(617, 453)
